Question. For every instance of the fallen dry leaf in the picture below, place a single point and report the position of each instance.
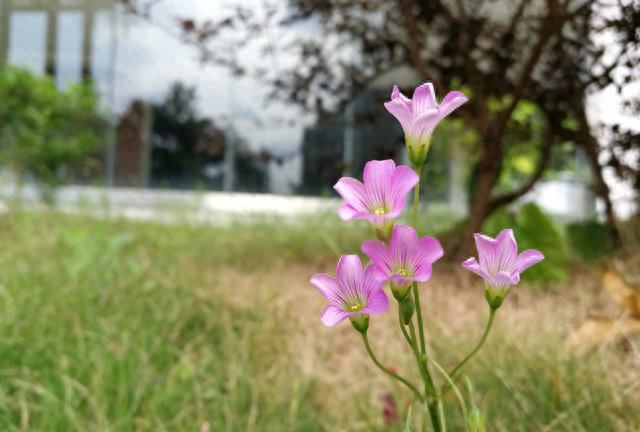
(625, 295)
(595, 332)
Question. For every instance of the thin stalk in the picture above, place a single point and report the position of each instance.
(430, 388)
(416, 196)
(387, 371)
(423, 366)
(428, 381)
(477, 348)
(416, 297)
(407, 423)
(452, 384)
(443, 426)
(433, 412)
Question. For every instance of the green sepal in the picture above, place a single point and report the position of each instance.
(494, 300)
(360, 322)
(417, 152)
(383, 232)
(399, 292)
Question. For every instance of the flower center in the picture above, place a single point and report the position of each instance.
(402, 272)
(379, 211)
(354, 306)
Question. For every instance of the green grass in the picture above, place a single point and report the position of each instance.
(124, 326)
(111, 326)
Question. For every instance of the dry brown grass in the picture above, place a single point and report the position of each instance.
(454, 309)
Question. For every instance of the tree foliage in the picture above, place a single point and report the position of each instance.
(44, 130)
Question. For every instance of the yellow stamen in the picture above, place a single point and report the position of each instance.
(379, 211)
(402, 272)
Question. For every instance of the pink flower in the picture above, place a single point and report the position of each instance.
(353, 294)
(382, 196)
(500, 265)
(420, 116)
(406, 260)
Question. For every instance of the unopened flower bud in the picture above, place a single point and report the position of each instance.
(476, 420)
(408, 308)
(360, 322)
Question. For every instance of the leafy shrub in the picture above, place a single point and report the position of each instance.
(43, 130)
(590, 240)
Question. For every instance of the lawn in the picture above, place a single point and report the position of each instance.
(126, 326)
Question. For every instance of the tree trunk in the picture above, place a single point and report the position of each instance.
(600, 187)
(488, 171)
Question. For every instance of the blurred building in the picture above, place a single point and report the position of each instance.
(76, 40)
(53, 14)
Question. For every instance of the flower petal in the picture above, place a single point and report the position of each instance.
(508, 250)
(403, 242)
(424, 99)
(425, 254)
(378, 253)
(378, 303)
(451, 101)
(382, 275)
(370, 283)
(332, 315)
(349, 274)
(395, 94)
(353, 192)
(422, 128)
(503, 278)
(526, 259)
(329, 288)
(402, 111)
(488, 253)
(472, 264)
(377, 183)
(400, 280)
(403, 180)
(347, 212)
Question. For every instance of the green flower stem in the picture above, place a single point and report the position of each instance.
(416, 196)
(428, 381)
(416, 297)
(407, 423)
(477, 348)
(443, 426)
(423, 349)
(435, 418)
(452, 384)
(430, 388)
(387, 371)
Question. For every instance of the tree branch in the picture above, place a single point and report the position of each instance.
(545, 32)
(543, 162)
(554, 19)
(415, 48)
